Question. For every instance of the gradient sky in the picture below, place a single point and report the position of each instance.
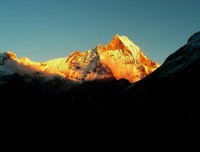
(48, 29)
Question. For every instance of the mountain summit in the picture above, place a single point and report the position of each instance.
(168, 93)
(120, 58)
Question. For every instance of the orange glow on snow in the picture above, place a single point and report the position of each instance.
(120, 58)
(120, 71)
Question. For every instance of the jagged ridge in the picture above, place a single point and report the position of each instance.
(121, 58)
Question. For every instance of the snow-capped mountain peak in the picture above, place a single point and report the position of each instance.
(121, 42)
(128, 43)
(120, 58)
(125, 59)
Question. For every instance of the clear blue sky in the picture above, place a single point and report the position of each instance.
(47, 29)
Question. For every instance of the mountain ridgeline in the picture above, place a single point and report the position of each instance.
(116, 79)
(97, 64)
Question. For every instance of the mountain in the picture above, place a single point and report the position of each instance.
(182, 58)
(168, 93)
(97, 64)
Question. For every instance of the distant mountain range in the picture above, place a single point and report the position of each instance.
(116, 79)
